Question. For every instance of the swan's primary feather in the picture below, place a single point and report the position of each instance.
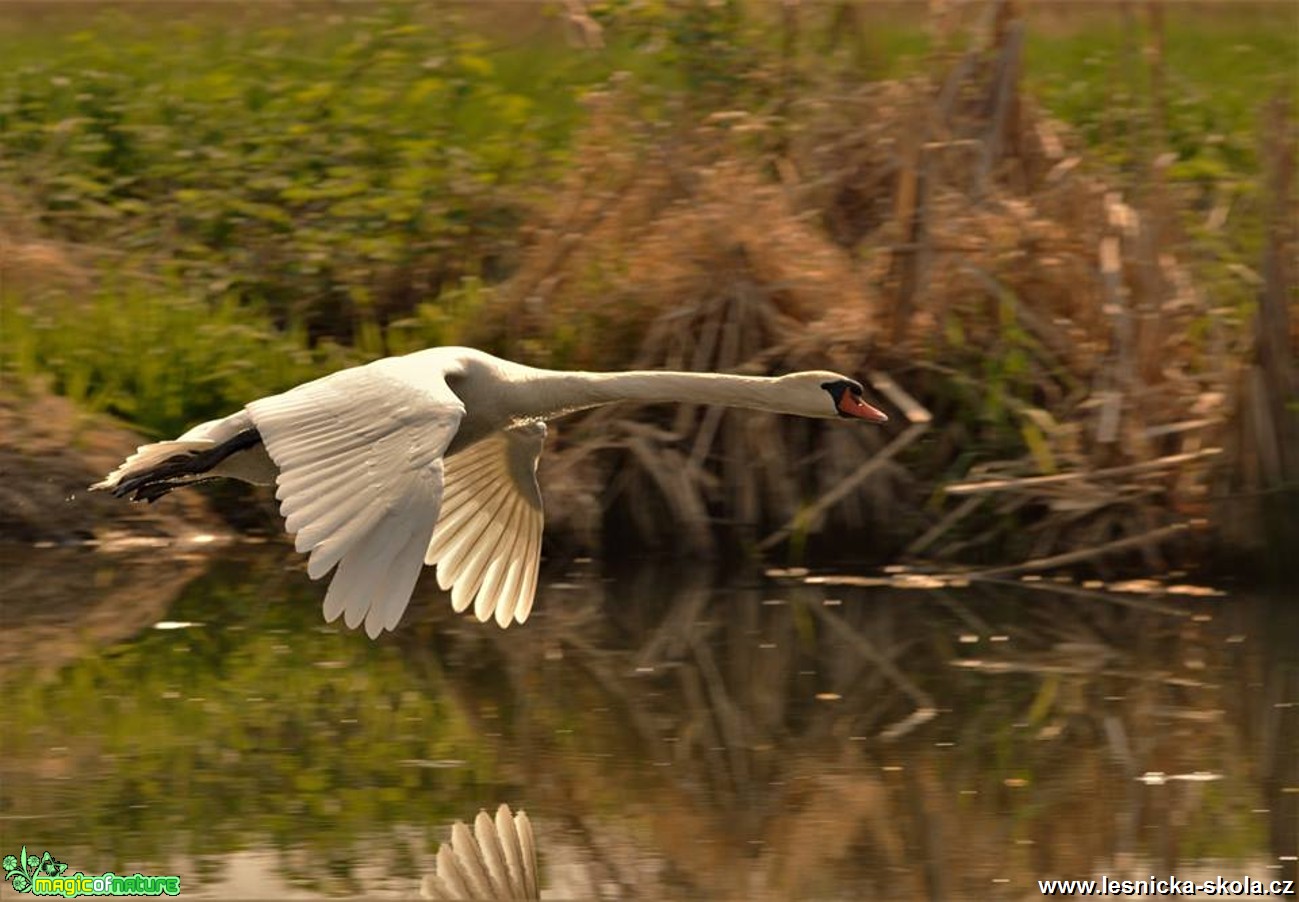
(361, 480)
(528, 853)
(487, 545)
(472, 868)
(508, 834)
(489, 842)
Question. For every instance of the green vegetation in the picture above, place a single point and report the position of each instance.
(245, 195)
(1219, 68)
(162, 360)
(346, 176)
(200, 208)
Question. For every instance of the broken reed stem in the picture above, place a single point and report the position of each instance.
(1031, 482)
(1084, 554)
(1277, 380)
(937, 531)
(1004, 103)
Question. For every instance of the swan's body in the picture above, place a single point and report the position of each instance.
(431, 458)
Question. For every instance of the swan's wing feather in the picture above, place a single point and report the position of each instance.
(449, 883)
(528, 852)
(361, 480)
(509, 837)
(487, 544)
(470, 859)
(489, 841)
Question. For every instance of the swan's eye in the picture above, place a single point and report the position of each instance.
(839, 388)
(848, 401)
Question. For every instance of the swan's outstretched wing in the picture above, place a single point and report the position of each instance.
(487, 546)
(360, 483)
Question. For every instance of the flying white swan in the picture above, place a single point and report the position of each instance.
(431, 458)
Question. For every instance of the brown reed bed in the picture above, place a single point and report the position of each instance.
(940, 230)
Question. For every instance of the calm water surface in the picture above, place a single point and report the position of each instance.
(669, 736)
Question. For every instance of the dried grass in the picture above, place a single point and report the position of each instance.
(1259, 511)
(990, 244)
(29, 260)
(685, 257)
(938, 228)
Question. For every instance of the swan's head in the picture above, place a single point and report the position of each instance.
(826, 394)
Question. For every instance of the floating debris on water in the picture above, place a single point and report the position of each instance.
(1138, 586)
(1159, 778)
(175, 624)
(1198, 591)
(432, 763)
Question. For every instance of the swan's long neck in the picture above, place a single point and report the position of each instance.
(544, 394)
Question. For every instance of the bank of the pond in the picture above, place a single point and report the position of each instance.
(50, 453)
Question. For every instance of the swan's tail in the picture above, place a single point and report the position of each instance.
(154, 470)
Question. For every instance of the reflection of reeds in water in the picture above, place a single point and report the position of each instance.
(1263, 701)
(65, 603)
(899, 742)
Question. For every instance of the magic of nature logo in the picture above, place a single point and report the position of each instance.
(45, 875)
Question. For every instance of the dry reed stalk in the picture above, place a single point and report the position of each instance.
(1153, 537)
(1095, 300)
(1259, 509)
(714, 271)
(1036, 482)
(31, 264)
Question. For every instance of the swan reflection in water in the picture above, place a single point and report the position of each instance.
(497, 860)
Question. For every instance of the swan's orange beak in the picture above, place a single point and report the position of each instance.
(852, 406)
